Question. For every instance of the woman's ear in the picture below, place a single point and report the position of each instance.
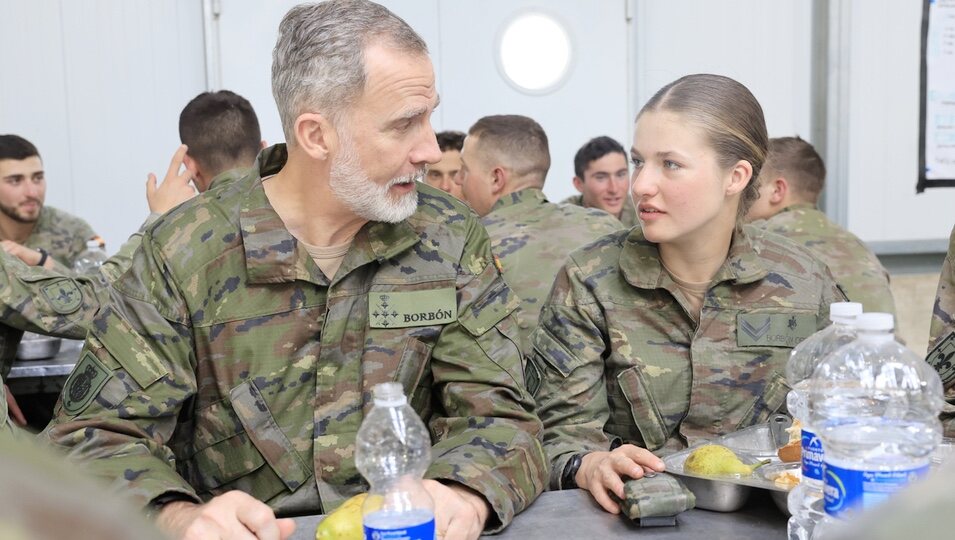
(739, 177)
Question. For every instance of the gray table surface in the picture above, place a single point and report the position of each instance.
(60, 365)
(573, 514)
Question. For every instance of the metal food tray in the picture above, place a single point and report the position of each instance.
(730, 493)
(35, 347)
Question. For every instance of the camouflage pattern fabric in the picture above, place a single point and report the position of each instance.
(857, 270)
(628, 215)
(8, 430)
(61, 234)
(941, 344)
(227, 360)
(532, 238)
(943, 311)
(616, 355)
(116, 265)
(655, 496)
(36, 299)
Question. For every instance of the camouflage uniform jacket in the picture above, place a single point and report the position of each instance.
(857, 270)
(44, 301)
(943, 312)
(532, 238)
(227, 360)
(941, 345)
(628, 214)
(616, 355)
(61, 234)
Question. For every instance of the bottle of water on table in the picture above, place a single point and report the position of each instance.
(875, 404)
(805, 500)
(91, 258)
(393, 450)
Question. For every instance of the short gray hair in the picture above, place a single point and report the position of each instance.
(318, 61)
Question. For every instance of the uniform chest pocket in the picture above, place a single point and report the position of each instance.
(770, 401)
(642, 408)
(238, 445)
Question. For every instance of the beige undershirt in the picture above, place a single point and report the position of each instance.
(693, 293)
(328, 259)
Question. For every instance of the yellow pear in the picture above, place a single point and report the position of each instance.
(716, 460)
(344, 523)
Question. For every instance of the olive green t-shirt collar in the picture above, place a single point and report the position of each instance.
(641, 266)
(526, 196)
(272, 254)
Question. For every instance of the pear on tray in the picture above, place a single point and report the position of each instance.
(716, 460)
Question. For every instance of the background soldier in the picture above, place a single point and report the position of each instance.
(789, 188)
(505, 163)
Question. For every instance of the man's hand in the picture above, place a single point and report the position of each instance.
(459, 513)
(15, 413)
(232, 515)
(601, 472)
(29, 256)
(175, 188)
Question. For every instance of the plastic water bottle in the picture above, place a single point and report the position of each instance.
(875, 404)
(393, 450)
(805, 500)
(91, 258)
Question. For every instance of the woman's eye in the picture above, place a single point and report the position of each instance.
(670, 164)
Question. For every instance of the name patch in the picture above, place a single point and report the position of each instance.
(403, 309)
(773, 329)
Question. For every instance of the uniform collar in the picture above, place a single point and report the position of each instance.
(530, 196)
(641, 267)
(273, 255)
(224, 178)
(799, 207)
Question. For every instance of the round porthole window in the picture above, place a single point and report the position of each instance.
(534, 53)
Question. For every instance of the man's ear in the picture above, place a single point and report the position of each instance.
(499, 178)
(193, 165)
(780, 191)
(579, 184)
(315, 135)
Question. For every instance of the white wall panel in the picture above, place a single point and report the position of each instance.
(764, 45)
(882, 132)
(98, 87)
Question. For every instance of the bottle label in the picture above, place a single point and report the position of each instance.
(847, 489)
(811, 456)
(421, 531)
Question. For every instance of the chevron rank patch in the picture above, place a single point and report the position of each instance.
(773, 329)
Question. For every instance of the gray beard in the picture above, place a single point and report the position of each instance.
(363, 196)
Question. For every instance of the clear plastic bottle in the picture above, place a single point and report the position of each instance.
(91, 258)
(805, 500)
(393, 450)
(875, 404)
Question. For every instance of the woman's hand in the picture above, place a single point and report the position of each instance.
(601, 472)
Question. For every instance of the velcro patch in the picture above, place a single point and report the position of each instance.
(942, 358)
(773, 329)
(84, 384)
(403, 309)
(63, 295)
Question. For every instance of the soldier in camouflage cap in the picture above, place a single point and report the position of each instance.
(41, 235)
(504, 164)
(677, 331)
(235, 360)
(603, 180)
(789, 187)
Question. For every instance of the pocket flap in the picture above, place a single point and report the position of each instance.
(643, 409)
(267, 436)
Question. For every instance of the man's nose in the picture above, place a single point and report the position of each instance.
(426, 150)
